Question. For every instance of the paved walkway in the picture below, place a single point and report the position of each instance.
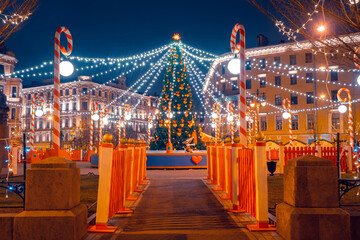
(177, 205)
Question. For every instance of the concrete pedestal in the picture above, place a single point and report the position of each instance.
(310, 209)
(52, 202)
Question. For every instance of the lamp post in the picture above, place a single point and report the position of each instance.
(216, 120)
(230, 119)
(287, 115)
(258, 104)
(126, 117)
(342, 109)
(36, 110)
(169, 145)
(237, 66)
(94, 117)
(150, 125)
(58, 49)
(103, 121)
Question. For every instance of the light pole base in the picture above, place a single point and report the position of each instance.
(169, 147)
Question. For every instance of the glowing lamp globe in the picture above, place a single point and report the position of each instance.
(247, 118)
(127, 116)
(39, 112)
(286, 115)
(150, 125)
(95, 117)
(66, 68)
(358, 80)
(234, 66)
(342, 109)
(230, 118)
(106, 121)
(238, 123)
(214, 115)
(213, 125)
(171, 115)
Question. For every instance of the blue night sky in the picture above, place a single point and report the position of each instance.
(122, 28)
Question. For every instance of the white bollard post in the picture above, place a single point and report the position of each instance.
(318, 149)
(103, 198)
(235, 176)
(262, 216)
(281, 157)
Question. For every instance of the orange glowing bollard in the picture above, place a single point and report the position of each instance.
(129, 170)
(137, 155)
(227, 169)
(218, 165)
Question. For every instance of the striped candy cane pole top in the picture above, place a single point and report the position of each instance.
(127, 109)
(149, 130)
(255, 120)
(356, 58)
(32, 124)
(103, 113)
(58, 49)
(216, 110)
(232, 129)
(288, 108)
(351, 120)
(94, 108)
(239, 48)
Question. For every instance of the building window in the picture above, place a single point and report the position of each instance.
(99, 93)
(61, 93)
(248, 101)
(292, 59)
(66, 122)
(334, 76)
(1, 89)
(105, 95)
(293, 79)
(262, 63)
(48, 124)
(278, 122)
(67, 92)
(277, 61)
(233, 84)
(335, 121)
(248, 65)
(262, 82)
(28, 110)
(334, 95)
(84, 106)
(67, 107)
(309, 77)
(14, 92)
(35, 124)
(223, 87)
(277, 80)
(61, 107)
(74, 106)
(295, 122)
(223, 69)
(309, 97)
(93, 92)
(112, 96)
(48, 137)
(74, 121)
(248, 83)
(310, 121)
(74, 91)
(29, 96)
(308, 57)
(278, 100)
(40, 137)
(84, 90)
(13, 113)
(41, 124)
(263, 124)
(48, 95)
(294, 99)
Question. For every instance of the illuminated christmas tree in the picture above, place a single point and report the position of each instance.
(176, 90)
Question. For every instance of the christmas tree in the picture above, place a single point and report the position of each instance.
(176, 91)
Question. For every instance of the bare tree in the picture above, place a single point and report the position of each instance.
(299, 20)
(12, 14)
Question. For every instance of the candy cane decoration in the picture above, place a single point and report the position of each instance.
(288, 108)
(149, 129)
(120, 125)
(32, 125)
(356, 58)
(94, 108)
(169, 126)
(351, 120)
(216, 110)
(250, 126)
(239, 48)
(103, 113)
(232, 129)
(127, 109)
(58, 49)
(255, 119)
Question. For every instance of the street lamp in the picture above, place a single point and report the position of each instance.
(287, 115)
(36, 110)
(234, 66)
(342, 108)
(321, 28)
(66, 68)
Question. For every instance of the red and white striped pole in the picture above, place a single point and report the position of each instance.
(239, 48)
(32, 125)
(250, 125)
(103, 113)
(351, 120)
(169, 126)
(126, 110)
(216, 110)
(232, 128)
(58, 49)
(94, 108)
(288, 108)
(149, 129)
